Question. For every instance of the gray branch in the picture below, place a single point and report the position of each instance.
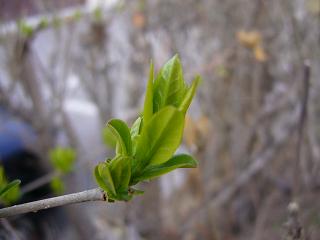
(95, 194)
(43, 180)
(258, 163)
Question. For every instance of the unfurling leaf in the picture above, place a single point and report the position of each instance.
(169, 86)
(121, 132)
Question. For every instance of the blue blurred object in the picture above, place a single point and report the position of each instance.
(18, 144)
(15, 135)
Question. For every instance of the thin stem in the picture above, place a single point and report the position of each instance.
(95, 194)
(6, 225)
(43, 180)
(301, 125)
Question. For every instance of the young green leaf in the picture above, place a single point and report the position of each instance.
(159, 138)
(148, 102)
(121, 132)
(44, 23)
(5, 189)
(120, 169)
(3, 179)
(63, 159)
(9, 192)
(57, 186)
(25, 29)
(178, 161)
(108, 138)
(169, 86)
(185, 103)
(104, 179)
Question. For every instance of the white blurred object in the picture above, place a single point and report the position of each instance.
(93, 4)
(81, 107)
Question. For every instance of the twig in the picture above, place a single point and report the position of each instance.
(39, 182)
(264, 213)
(6, 224)
(47, 178)
(301, 123)
(259, 161)
(95, 194)
(10, 28)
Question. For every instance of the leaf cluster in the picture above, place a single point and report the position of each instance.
(146, 150)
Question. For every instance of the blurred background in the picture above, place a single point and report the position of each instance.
(67, 66)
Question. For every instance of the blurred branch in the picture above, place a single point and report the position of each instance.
(301, 124)
(18, 111)
(258, 163)
(6, 225)
(263, 215)
(68, 14)
(95, 194)
(47, 178)
(264, 115)
(287, 8)
(39, 182)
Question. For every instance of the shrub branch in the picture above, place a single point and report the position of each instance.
(95, 194)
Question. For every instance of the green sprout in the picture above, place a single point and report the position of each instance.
(25, 29)
(146, 150)
(63, 162)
